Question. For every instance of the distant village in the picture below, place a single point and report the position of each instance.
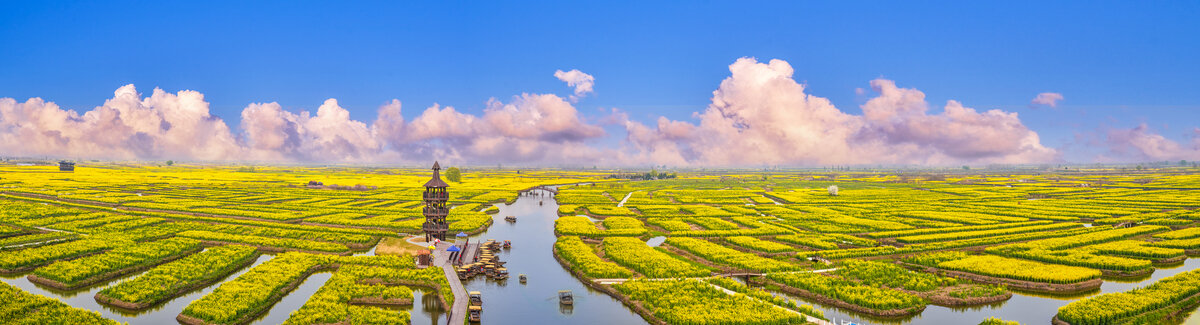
(651, 175)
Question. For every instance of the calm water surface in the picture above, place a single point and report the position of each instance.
(536, 302)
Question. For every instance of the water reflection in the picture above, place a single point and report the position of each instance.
(430, 311)
(654, 242)
(369, 252)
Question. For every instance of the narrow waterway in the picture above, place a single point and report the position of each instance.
(281, 311)
(536, 302)
(157, 315)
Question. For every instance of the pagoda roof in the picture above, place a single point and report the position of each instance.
(436, 181)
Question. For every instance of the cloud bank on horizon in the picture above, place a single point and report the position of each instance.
(758, 115)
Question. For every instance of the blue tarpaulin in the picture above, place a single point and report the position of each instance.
(453, 249)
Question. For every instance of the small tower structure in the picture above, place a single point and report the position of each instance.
(435, 211)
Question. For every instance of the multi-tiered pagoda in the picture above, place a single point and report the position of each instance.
(435, 196)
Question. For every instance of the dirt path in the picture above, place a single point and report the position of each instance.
(625, 199)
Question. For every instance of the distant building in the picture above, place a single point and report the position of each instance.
(66, 166)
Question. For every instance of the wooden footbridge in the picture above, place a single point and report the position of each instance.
(543, 188)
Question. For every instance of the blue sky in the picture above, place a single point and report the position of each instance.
(1118, 64)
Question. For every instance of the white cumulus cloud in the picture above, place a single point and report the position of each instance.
(1140, 143)
(761, 115)
(127, 126)
(758, 115)
(581, 81)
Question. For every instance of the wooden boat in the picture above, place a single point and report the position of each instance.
(474, 313)
(476, 298)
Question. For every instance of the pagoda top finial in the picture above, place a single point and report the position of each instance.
(436, 181)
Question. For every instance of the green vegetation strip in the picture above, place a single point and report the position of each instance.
(284, 233)
(582, 226)
(809, 241)
(1187, 233)
(759, 244)
(891, 275)
(20, 307)
(1172, 293)
(1003, 267)
(35, 238)
(171, 279)
(693, 302)
(983, 233)
(924, 231)
(760, 294)
(83, 271)
(583, 258)
(332, 303)
(253, 292)
(649, 261)
(728, 256)
(860, 297)
(281, 243)
(25, 259)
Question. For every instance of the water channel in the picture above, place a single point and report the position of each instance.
(535, 302)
